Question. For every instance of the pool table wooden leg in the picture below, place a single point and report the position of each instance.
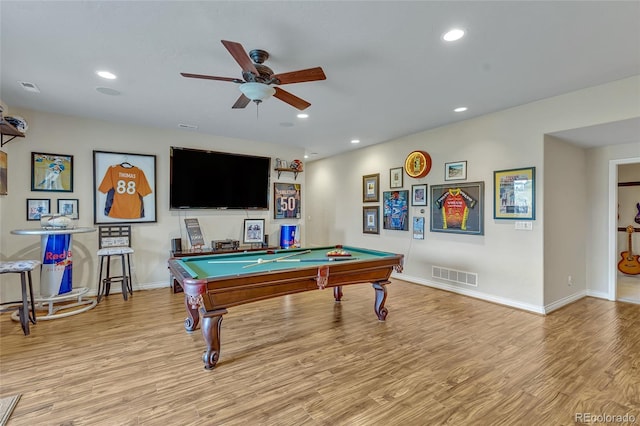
(337, 293)
(381, 297)
(193, 319)
(211, 323)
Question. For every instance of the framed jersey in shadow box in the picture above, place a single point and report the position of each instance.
(124, 187)
(458, 208)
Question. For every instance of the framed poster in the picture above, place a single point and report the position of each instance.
(395, 177)
(514, 194)
(196, 238)
(68, 207)
(371, 188)
(455, 171)
(286, 200)
(4, 190)
(419, 195)
(36, 207)
(371, 220)
(124, 187)
(253, 231)
(395, 210)
(458, 208)
(51, 172)
(418, 228)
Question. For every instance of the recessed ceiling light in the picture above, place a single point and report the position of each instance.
(460, 109)
(29, 87)
(453, 34)
(355, 140)
(106, 74)
(303, 115)
(306, 156)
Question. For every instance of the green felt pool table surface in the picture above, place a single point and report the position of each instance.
(224, 265)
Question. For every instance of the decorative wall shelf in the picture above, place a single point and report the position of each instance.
(7, 129)
(280, 170)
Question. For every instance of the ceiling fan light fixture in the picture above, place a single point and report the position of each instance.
(257, 92)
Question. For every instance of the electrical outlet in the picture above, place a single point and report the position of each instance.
(524, 226)
(570, 281)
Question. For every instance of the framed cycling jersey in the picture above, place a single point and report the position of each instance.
(458, 208)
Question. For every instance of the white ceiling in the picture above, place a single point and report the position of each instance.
(389, 74)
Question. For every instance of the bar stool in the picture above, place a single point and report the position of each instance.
(24, 268)
(114, 240)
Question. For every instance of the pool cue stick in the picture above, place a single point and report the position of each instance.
(322, 259)
(231, 261)
(262, 262)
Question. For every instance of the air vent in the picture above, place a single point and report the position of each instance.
(187, 126)
(453, 275)
(29, 87)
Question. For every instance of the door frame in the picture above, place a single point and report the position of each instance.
(613, 223)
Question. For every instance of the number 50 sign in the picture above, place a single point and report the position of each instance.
(286, 200)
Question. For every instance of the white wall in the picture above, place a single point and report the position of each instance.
(510, 263)
(52, 133)
(566, 215)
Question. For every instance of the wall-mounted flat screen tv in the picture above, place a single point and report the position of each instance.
(202, 179)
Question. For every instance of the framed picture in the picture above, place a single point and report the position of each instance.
(395, 177)
(514, 194)
(124, 187)
(371, 188)
(36, 207)
(4, 190)
(286, 200)
(418, 228)
(455, 171)
(69, 208)
(253, 231)
(51, 172)
(458, 209)
(419, 195)
(371, 220)
(395, 210)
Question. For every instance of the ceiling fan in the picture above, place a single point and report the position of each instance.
(257, 79)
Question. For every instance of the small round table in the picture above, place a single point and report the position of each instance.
(56, 273)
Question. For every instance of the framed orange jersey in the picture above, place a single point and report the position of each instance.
(124, 187)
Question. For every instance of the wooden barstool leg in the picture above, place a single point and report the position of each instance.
(107, 280)
(100, 284)
(33, 304)
(125, 290)
(24, 310)
(129, 277)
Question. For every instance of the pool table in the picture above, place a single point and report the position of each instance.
(214, 283)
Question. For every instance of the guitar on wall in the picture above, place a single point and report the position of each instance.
(629, 263)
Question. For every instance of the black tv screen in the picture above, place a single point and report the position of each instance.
(202, 179)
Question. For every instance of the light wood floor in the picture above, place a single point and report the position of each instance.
(440, 358)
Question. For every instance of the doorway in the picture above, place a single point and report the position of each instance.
(628, 232)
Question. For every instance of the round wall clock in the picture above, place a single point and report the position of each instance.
(417, 164)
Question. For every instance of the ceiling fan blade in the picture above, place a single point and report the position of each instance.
(240, 55)
(242, 102)
(292, 100)
(211, 77)
(311, 74)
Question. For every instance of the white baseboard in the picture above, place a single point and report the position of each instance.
(473, 293)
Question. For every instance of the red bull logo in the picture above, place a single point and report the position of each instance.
(56, 264)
